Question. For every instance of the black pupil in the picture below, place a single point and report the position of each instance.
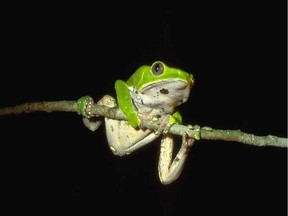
(157, 67)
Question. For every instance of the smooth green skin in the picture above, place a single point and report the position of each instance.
(140, 79)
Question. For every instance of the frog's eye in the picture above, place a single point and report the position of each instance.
(157, 68)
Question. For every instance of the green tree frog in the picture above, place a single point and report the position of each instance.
(152, 92)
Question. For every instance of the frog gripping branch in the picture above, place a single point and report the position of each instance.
(151, 93)
(145, 109)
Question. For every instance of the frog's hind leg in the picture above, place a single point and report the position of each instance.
(124, 139)
(169, 170)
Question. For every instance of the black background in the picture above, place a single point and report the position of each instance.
(236, 51)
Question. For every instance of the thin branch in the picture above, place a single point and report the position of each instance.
(50, 106)
(115, 113)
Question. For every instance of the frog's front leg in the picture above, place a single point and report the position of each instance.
(169, 170)
(122, 137)
(84, 105)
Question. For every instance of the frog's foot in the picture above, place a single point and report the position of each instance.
(187, 141)
(92, 123)
(84, 105)
(108, 101)
(165, 123)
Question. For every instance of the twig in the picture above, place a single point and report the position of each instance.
(115, 113)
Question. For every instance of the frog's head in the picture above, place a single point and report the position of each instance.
(164, 83)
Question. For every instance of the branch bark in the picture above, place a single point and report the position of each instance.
(115, 113)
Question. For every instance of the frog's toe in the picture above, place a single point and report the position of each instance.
(92, 123)
(164, 125)
(187, 141)
(108, 100)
